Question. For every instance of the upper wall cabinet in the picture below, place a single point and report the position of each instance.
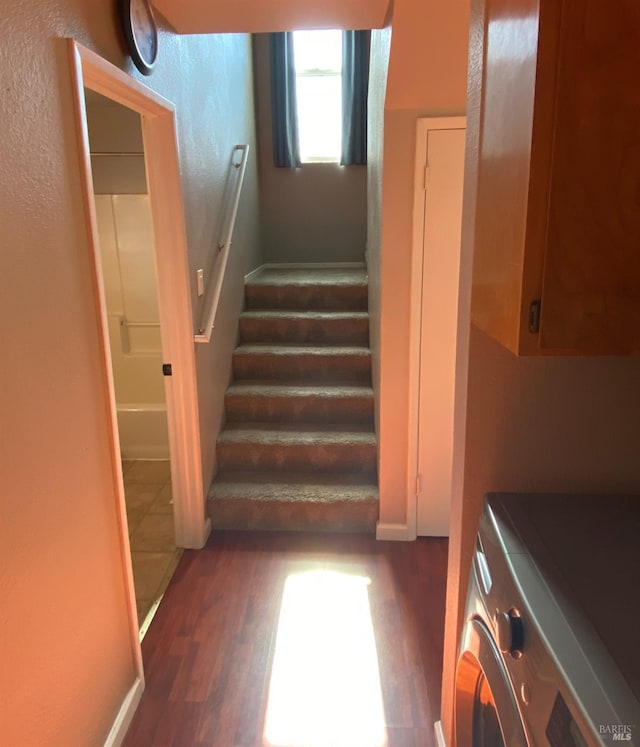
(557, 253)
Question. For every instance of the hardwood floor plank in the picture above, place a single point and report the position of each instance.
(209, 653)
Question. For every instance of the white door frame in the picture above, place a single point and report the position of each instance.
(174, 293)
(192, 528)
(88, 70)
(417, 255)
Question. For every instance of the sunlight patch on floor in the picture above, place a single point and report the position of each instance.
(325, 683)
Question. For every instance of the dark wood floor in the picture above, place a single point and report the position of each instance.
(209, 653)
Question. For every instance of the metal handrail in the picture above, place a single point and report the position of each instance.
(215, 275)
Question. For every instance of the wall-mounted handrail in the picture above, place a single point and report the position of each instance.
(218, 264)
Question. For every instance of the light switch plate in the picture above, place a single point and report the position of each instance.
(200, 282)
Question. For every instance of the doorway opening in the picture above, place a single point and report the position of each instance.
(129, 282)
(156, 117)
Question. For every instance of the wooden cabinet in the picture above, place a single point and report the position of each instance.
(557, 248)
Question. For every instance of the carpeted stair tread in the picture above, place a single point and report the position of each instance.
(308, 489)
(294, 326)
(301, 383)
(330, 276)
(274, 401)
(287, 362)
(294, 447)
(257, 348)
(298, 477)
(269, 389)
(295, 433)
(323, 316)
(293, 501)
(298, 450)
(306, 289)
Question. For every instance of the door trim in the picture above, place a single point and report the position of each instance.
(176, 322)
(423, 126)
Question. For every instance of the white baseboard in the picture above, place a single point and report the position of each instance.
(125, 714)
(440, 740)
(249, 275)
(394, 532)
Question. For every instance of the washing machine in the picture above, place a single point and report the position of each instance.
(550, 649)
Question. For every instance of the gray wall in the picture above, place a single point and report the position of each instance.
(317, 213)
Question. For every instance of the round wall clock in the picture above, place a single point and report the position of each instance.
(141, 33)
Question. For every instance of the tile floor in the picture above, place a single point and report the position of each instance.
(147, 487)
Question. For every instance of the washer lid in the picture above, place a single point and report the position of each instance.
(588, 548)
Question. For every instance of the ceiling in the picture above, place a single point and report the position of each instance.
(254, 16)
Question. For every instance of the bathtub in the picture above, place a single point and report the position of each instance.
(143, 431)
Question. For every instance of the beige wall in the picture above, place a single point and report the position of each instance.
(64, 640)
(317, 213)
(201, 16)
(428, 64)
(426, 78)
(541, 425)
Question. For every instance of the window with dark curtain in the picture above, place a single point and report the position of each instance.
(355, 83)
(286, 148)
(356, 47)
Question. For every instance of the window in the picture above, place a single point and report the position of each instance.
(318, 67)
(307, 68)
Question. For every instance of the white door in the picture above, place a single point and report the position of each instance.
(442, 143)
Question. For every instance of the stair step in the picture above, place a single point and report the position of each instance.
(307, 288)
(302, 362)
(265, 401)
(295, 501)
(297, 447)
(350, 327)
(298, 451)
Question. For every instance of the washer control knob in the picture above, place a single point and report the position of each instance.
(510, 632)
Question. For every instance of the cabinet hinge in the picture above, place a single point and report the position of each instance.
(166, 369)
(534, 316)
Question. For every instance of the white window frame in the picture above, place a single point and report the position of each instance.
(319, 73)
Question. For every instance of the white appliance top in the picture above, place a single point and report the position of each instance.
(587, 550)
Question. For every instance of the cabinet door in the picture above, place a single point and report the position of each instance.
(558, 208)
(591, 290)
(509, 229)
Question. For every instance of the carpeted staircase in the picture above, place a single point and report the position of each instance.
(298, 451)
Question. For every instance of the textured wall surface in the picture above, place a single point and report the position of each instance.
(64, 640)
(425, 79)
(317, 213)
(380, 44)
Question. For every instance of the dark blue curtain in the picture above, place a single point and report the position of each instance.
(355, 88)
(284, 116)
